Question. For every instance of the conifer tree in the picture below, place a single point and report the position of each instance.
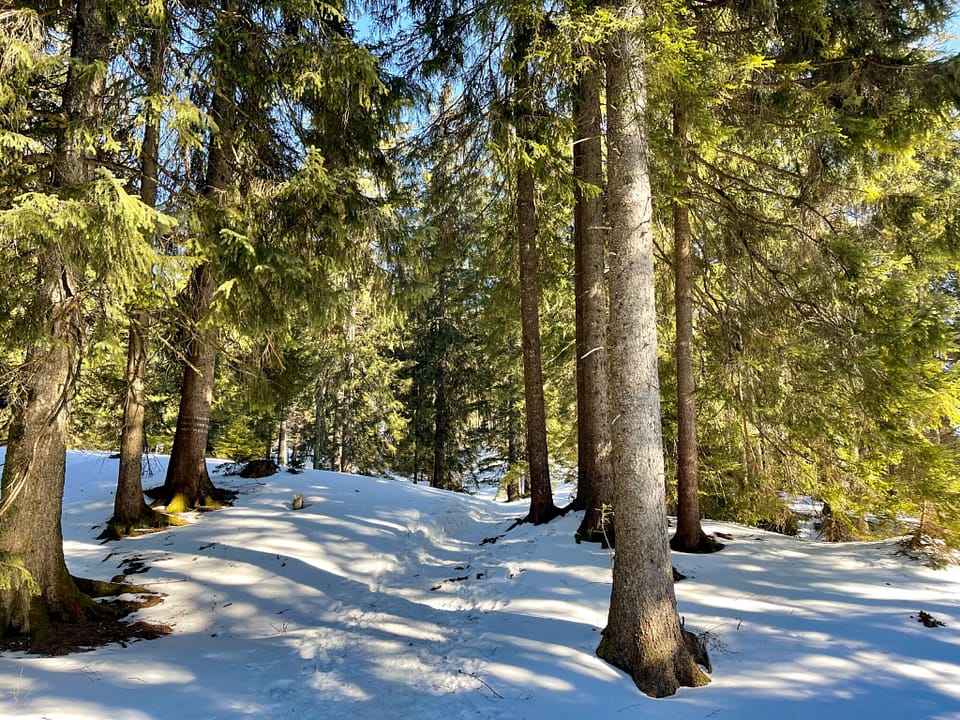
(594, 479)
(542, 508)
(130, 511)
(689, 536)
(188, 483)
(84, 234)
(643, 635)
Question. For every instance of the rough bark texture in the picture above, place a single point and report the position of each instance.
(689, 536)
(542, 508)
(187, 482)
(34, 583)
(442, 475)
(643, 636)
(343, 433)
(282, 443)
(595, 481)
(130, 510)
(30, 532)
(319, 426)
(514, 491)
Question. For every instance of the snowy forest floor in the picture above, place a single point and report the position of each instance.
(383, 599)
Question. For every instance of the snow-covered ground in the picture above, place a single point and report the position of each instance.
(381, 600)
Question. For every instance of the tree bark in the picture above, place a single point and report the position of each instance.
(595, 481)
(130, 510)
(689, 536)
(345, 397)
(643, 636)
(36, 586)
(188, 483)
(319, 426)
(282, 443)
(542, 509)
(514, 491)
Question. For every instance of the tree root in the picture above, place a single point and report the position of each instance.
(704, 544)
(148, 522)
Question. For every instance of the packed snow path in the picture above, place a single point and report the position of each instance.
(380, 599)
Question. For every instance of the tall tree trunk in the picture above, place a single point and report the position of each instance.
(188, 482)
(689, 536)
(442, 475)
(282, 449)
(595, 481)
(319, 426)
(35, 585)
(514, 491)
(542, 508)
(643, 636)
(130, 510)
(345, 396)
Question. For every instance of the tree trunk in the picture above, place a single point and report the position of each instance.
(643, 636)
(441, 476)
(345, 396)
(595, 481)
(130, 510)
(282, 443)
(319, 426)
(542, 509)
(513, 477)
(188, 483)
(689, 536)
(35, 585)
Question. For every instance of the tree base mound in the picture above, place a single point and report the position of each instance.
(605, 537)
(703, 545)
(148, 522)
(103, 624)
(174, 502)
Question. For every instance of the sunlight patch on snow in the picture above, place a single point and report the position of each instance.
(942, 675)
(776, 680)
(414, 630)
(714, 596)
(337, 687)
(557, 610)
(577, 661)
(83, 551)
(53, 709)
(123, 673)
(524, 677)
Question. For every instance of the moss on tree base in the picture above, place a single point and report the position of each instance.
(90, 624)
(151, 521)
(17, 591)
(174, 502)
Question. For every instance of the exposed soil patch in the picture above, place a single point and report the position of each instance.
(99, 629)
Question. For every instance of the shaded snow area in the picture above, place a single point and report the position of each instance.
(380, 599)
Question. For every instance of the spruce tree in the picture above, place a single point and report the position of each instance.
(84, 235)
(594, 478)
(130, 510)
(643, 635)
(542, 508)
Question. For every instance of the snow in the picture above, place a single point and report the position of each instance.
(380, 600)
